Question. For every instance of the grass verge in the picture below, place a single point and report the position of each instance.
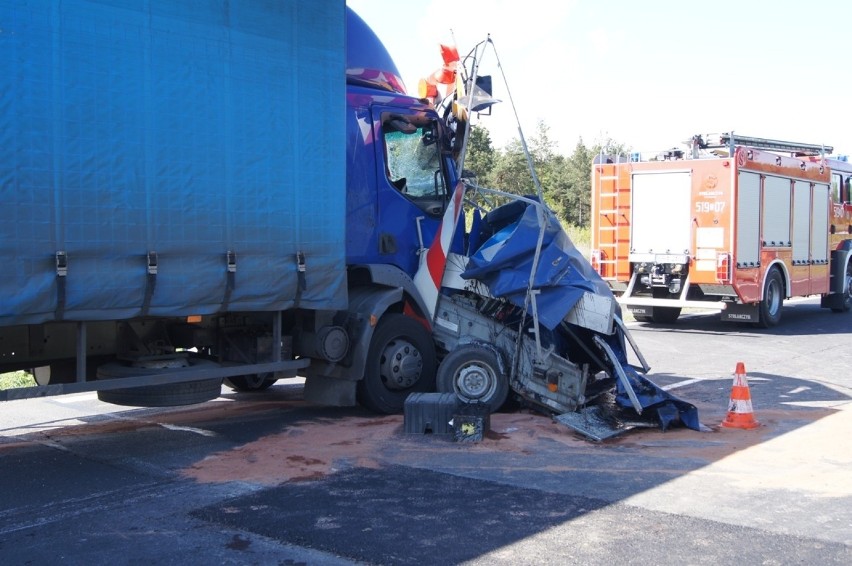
(16, 379)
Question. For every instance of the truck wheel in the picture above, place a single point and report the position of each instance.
(661, 315)
(773, 298)
(166, 395)
(401, 360)
(666, 315)
(251, 383)
(473, 374)
(847, 296)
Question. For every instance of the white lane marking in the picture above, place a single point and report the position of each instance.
(78, 398)
(817, 404)
(200, 431)
(699, 379)
(680, 384)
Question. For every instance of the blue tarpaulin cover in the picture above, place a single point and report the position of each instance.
(189, 129)
(504, 263)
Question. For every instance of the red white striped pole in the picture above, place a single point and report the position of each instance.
(433, 260)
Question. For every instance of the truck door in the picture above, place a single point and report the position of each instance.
(413, 187)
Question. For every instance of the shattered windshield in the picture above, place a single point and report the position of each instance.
(414, 162)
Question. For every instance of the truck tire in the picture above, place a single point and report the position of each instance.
(251, 383)
(401, 360)
(473, 373)
(166, 395)
(661, 315)
(846, 305)
(773, 298)
(666, 315)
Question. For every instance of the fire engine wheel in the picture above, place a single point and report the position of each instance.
(401, 360)
(847, 295)
(666, 315)
(661, 315)
(473, 374)
(165, 395)
(773, 298)
(250, 383)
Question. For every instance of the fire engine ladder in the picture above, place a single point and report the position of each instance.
(610, 218)
(795, 149)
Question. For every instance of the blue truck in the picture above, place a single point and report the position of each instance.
(243, 191)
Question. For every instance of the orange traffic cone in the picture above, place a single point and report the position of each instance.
(740, 412)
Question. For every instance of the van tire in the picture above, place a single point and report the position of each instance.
(474, 374)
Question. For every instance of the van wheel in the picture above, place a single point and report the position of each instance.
(165, 395)
(473, 374)
(773, 299)
(401, 360)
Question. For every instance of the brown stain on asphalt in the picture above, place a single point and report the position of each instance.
(315, 447)
(312, 449)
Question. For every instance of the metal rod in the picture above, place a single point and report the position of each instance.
(81, 352)
(645, 367)
(621, 375)
(276, 336)
(284, 368)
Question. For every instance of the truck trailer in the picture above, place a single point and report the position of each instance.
(243, 191)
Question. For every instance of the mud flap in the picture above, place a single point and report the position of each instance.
(740, 313)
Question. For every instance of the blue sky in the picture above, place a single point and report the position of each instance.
(647, 74)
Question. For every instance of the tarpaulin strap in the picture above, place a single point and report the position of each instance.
(61, 273)
(301, 280)
(231, 278)
(150, 282)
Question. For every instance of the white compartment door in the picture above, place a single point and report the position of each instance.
(748, 220)
(661, 220)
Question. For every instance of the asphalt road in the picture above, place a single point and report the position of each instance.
(268, 479)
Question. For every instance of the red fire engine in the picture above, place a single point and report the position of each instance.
(731, 222)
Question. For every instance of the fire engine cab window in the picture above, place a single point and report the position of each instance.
(836, 185)
(414, 161)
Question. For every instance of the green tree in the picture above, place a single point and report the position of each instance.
(565, 180)
(481, 155)
(511, 172)
(578, 173)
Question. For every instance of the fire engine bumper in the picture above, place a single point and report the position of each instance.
(678, 303)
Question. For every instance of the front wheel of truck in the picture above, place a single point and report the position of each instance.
(401, 360)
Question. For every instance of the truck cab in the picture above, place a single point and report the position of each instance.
(398, 179)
